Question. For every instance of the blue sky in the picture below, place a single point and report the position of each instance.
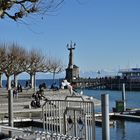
(107, 33)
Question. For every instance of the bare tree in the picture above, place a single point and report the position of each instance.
(55, 66)
(12, 64)
(2, 61)
(37, 63)
(17, 9)
(20, 62)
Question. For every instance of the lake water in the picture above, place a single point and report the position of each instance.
(48, 82)
(123, 130)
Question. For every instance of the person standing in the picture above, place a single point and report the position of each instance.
(68, 85)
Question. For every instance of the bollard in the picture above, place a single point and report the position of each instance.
(10, 109)
(105, 117)
(123, 97)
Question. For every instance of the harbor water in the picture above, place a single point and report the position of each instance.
(122, 130)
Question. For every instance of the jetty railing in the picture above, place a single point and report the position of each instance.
(72, 117)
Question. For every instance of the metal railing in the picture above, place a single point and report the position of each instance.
(39, 135)
(72, 117)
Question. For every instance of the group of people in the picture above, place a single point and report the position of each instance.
(42, 86)
(37, 97)
(54, 86)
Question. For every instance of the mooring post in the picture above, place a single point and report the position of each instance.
(10, 109)
(123, 97)
(105, 117)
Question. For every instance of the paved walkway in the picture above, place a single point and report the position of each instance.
(22, 103)
(26, 96)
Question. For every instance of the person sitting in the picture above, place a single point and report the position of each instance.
(36, 102)
(44, 85)
(54, 87)
(19, 87)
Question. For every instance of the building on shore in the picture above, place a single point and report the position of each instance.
(132, 73)
(130, 77)
(72, 71)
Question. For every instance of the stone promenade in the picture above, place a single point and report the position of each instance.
(21, 104)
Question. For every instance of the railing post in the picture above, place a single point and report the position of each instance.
(10, 109)
(105, 117)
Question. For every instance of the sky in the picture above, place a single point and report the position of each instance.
(106, 33)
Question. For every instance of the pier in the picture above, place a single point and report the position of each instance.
(107, 83)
